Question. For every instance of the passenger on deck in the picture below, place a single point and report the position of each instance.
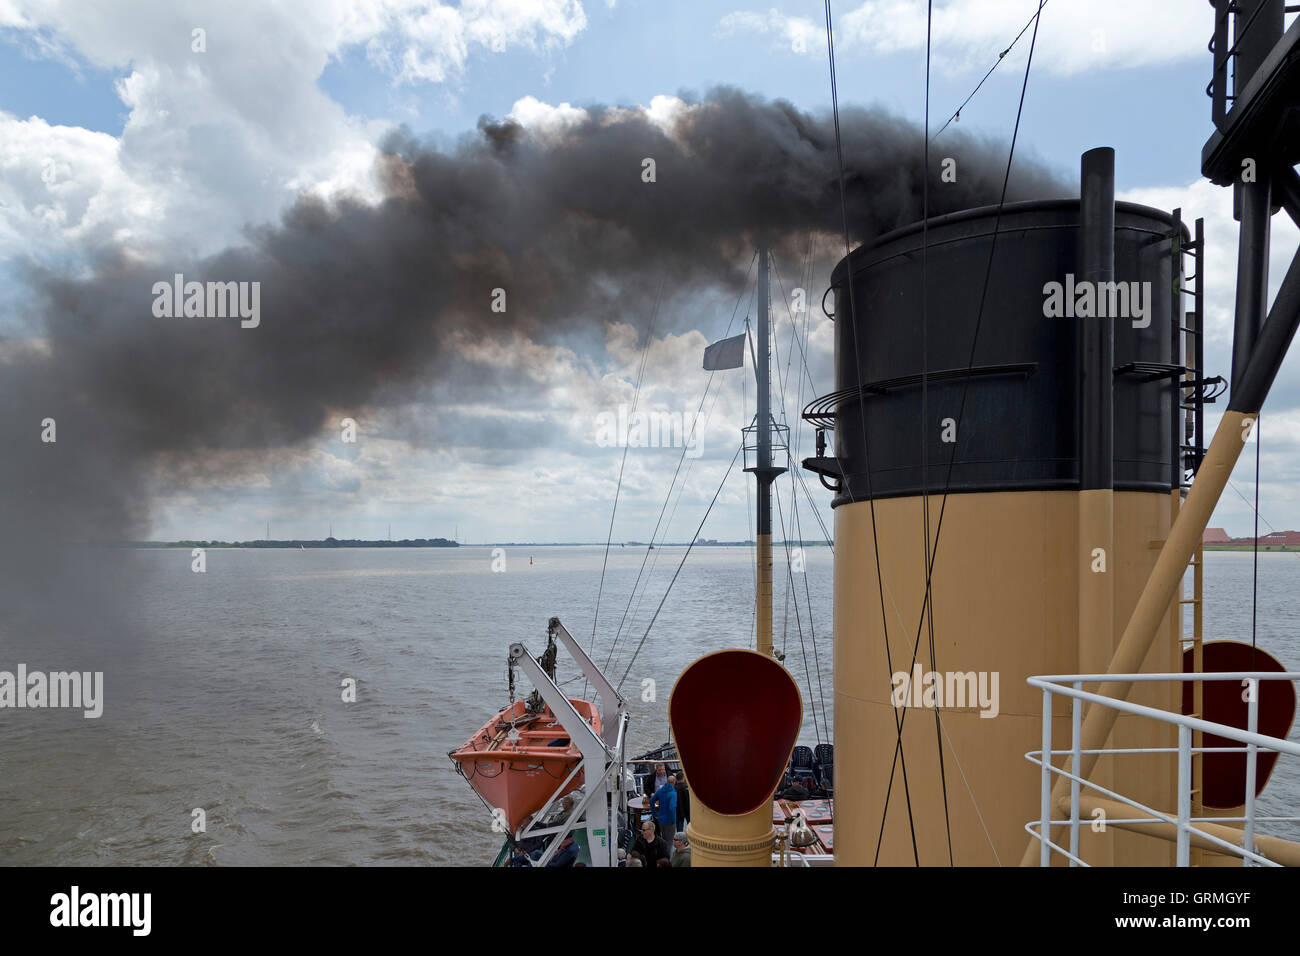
(652, 784)
(664, 805)
(651, 848)
(519, 857)
(796, 791)
(563, 813)
(681, 851)
(683, 802)
(567, 854)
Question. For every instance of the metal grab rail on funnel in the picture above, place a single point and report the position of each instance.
(735, 717)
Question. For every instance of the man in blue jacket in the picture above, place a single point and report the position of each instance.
(664, 805)
(567, 854)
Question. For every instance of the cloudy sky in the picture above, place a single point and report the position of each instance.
(151, 130)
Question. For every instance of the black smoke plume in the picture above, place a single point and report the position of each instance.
(359, 302)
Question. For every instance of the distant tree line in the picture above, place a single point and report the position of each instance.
(300, 543)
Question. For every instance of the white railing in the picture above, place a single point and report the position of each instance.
(1071, 685)
(805, 860)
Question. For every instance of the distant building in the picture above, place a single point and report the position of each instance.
(1288, 539)
(1277, 539)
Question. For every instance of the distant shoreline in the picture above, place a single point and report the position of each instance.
(296, 543)
(445, 543)
(1248, 547)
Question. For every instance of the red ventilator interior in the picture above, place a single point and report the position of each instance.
(1224, 774)
(735, 717)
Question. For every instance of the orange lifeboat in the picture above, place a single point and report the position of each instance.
(517, 759)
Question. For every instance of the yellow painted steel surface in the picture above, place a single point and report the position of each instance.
(719, 839)
(1007, 590)
(1141, 633)
(1285, 852)
(1096, 633)
(763, 633)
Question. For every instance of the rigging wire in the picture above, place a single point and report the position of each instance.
(636, 397)
(794, 501)
(807, 493)
(928, 601)
(794, 472)
(1257, 514)
(662, 538)
(956, 117)
(672, 515)
(1254, 574)
(857, 357)
(783, 382)
(893, 603)
(979, 317)
(802, 646)
(955, 759)
(682, 564)
(812, 630)
(802, 352)
(780, 417)
(685, 445)
(805, 276)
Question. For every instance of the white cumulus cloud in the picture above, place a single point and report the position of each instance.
(969, 34)
(227, 126)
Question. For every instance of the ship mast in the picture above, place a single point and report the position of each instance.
(764, 471)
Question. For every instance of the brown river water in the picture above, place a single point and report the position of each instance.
(228, 697)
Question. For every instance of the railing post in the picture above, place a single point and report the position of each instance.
(1184, 794)
(1076, 748)
(1045, 851)
(1252, 751)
